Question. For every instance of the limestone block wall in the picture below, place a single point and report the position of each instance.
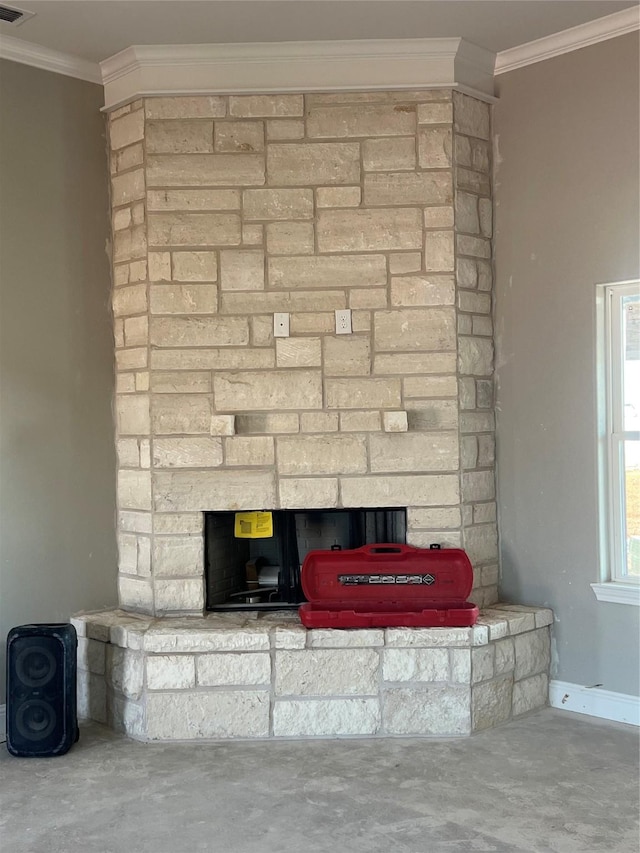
(228, 209)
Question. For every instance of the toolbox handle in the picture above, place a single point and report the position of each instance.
(386, 549)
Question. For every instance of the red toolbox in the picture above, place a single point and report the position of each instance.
(387, 586)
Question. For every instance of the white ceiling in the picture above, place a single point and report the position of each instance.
(96, 29)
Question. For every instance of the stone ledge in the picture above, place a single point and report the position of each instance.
(250, 675)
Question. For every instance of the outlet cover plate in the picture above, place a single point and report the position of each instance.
(281, 325)
(343, 322)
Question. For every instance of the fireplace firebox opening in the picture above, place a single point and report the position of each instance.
(263, 574)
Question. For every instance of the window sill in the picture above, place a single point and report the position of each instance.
(617, 593)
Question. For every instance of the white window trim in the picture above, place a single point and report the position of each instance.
(611, 435)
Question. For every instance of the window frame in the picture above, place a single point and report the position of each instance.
(614, 586)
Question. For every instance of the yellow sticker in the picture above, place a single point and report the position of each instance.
(254, 525)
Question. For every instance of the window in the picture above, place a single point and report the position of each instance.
(618, 307)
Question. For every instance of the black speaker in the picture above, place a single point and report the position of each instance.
(42, 717)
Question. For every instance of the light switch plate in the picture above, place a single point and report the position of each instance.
(281, 325)
(343, 322)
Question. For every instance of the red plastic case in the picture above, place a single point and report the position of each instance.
(387, 586)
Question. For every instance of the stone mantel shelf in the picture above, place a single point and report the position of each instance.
(250, 675)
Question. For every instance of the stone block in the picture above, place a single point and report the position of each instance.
(438, 638)
(135, 594)
(530, 694)
(439, 217)
(415, 665)
(127, 158)
(481, 542)
(91, 655)
(460, 665)
(363, 393)
(300, 493)
(262, 331)
(171, 672)
(543, 617)
(242, 269)
(467, 219)
(159, 266)
(180, 382)
(290, 238)
(413, 451)
(121, 219)
(475, 356)
(470, 116)
(276, 422)
(326, 672)
(313, 163)
(266, 106)
(330, 271)
(194, 229)
(476, 247)
(132, 415)
(134, 490)
(205, 170)
(218, 670)
(127, 187)
(408, 188)
(179, 596)
(482, 326)
(205, 452)
(389, 155)
(482, 663)
(478, 486)
(418, 290)
(369, 297)
(201, 106)
(395, 422)
(285, 129)
(183, 298)
(432, 414)
(405, 363)
(321, 454)
(290, 302)
(178, 556)
(400, 490)
(359, 421)
(486, 450)
(430, 386)
(435, 147)
(233, 136)
(404, 262)
(91, 694)
(126, 130)
(173, 637)
(477, 422)
(183, 137)
(181, 414)
(438, 710)
(347, 356)
(491, 703)
(298, 352)
(212, 359)
(249, 450)
(186, 491)
(517, 622)
(290, 637)
(125, 671)
(319, 422)
(201, 714)
(179, 522)
(195, 266)
(326, 717)
(434, 519)
(129, 245)
(486, 216)
(469, 451)
(193, 199)
(129, 300)
(505, 656)
(335, 121)
(332, 638)
(286, 389)
(472, 181)
(438, 251)
(199, 332)
(415, 329)
(303, 323)
(338, 196)
(128, 453)
(252, 234)
(533, 654)
(480, 303)
(435, 113)
(223, 425)
(130, 359)
(277, 204)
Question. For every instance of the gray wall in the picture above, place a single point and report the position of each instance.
(57, 466)
(567, 190)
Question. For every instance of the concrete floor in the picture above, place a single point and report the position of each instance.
(549, 782)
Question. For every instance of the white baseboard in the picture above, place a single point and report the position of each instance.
(619, 707)
(3, 723)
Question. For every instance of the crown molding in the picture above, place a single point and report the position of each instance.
(617, 24)
(28, 53)
(329, 66)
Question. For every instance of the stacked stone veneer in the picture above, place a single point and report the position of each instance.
(241, 676)
(228, 209)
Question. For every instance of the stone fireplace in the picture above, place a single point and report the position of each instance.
(226, 211)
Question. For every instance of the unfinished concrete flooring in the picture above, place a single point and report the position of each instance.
(548, 782)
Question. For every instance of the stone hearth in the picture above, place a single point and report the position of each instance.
(266, 676)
